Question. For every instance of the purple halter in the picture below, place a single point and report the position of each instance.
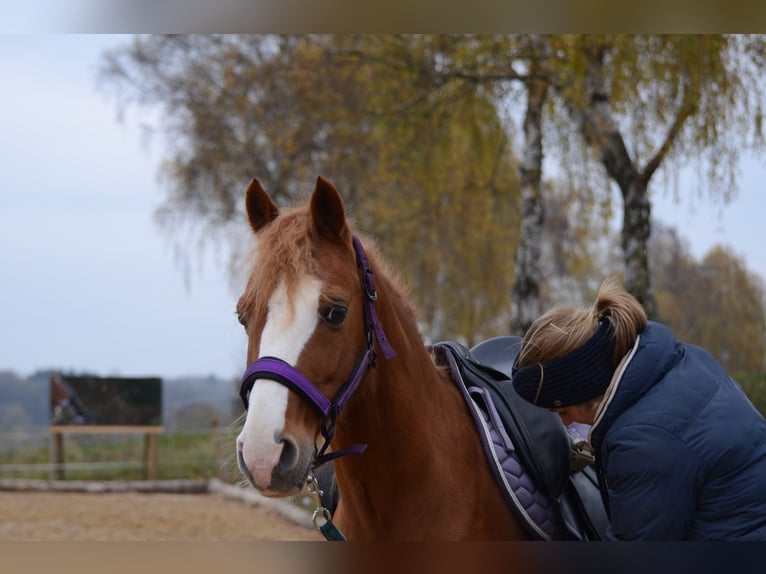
(276, 369)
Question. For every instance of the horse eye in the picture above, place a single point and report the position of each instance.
(241, 318)
(334, 314)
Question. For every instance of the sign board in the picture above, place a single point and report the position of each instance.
(105, 401)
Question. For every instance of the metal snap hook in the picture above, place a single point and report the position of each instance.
(321, 517)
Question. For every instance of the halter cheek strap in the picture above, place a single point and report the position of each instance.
(371, 322)
(277, 370)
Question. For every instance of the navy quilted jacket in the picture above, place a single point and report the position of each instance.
(681, 451)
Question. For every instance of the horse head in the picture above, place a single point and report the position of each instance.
(303, 310)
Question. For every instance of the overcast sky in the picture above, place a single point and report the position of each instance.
(88, 280)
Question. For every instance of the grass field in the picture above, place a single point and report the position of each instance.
(187, 455)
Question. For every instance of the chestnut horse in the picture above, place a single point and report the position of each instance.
(335, 355)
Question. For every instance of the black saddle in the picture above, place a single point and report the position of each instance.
(558, 464)
(543, 444)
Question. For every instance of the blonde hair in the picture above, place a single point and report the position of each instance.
(564, 329)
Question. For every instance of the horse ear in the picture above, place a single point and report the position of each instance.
(327, 211)
(260, 209)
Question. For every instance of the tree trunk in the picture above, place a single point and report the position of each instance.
(636, 230)
(601, 132)
(525, 296)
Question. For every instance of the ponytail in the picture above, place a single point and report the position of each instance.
(564, 329)
(624, 311)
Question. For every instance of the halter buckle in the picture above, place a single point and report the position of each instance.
(369, 284)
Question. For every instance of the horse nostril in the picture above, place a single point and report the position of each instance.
(289, 456)
(243, 467)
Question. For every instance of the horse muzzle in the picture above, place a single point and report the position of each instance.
(277, 470)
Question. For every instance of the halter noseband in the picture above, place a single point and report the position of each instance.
(281, 372)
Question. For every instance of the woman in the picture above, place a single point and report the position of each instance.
(680, 450)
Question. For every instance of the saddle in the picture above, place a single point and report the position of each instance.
(541, 469)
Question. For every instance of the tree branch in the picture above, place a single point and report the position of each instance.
(479, 78)
(687, 109)
(454, 74)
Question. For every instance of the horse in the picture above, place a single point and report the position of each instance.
(338, 370)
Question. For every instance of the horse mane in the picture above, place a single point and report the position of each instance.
(284, 249)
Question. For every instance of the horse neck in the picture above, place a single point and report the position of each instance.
(420, 442)
(409, 382)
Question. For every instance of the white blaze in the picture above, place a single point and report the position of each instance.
(284, 336)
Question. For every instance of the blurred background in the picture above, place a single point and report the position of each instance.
(502, 174)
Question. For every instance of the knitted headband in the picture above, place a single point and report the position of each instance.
(574, 378)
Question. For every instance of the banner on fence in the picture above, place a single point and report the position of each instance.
(105, 401)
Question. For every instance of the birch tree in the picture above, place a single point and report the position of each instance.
(641, 102)
(413, 123)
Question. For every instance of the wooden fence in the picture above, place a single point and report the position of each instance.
(58, 456)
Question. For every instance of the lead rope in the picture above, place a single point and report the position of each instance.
(322, 517)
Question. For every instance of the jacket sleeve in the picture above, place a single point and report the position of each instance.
(651, 478)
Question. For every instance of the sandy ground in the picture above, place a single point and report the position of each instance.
(132, 516)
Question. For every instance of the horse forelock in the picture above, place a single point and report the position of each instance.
(283, 252)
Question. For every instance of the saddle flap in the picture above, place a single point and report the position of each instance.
(540, 437)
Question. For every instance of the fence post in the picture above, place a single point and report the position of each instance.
(150, 456)
(57, 456)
